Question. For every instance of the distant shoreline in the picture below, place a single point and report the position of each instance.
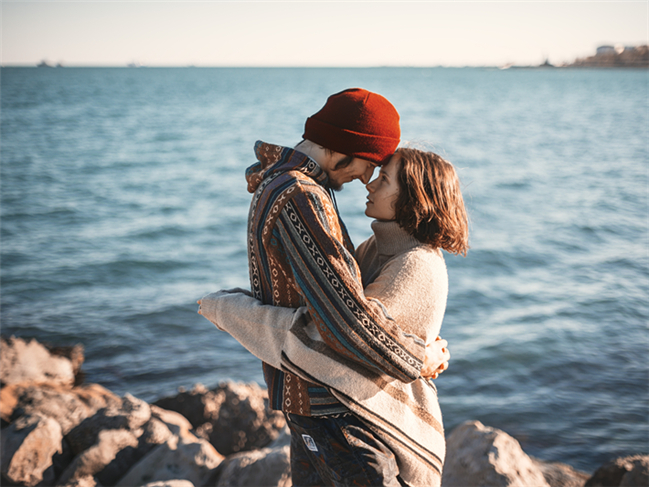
(500, 68)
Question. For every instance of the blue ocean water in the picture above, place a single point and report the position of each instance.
(123, 201)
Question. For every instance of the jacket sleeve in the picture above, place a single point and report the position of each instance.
(329, 281)
(262, 329)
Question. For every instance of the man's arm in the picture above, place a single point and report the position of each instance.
(329, 281)
(264, 329)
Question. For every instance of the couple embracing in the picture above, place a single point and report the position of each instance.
(349, 338)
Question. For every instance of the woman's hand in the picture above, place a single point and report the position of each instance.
(199, 306)
(436, 360)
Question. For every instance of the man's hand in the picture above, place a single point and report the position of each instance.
(436, 360)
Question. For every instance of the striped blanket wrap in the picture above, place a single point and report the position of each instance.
(334, 349)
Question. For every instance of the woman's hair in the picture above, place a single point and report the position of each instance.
(430, 206)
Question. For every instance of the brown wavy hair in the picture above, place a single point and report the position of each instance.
(430, 206)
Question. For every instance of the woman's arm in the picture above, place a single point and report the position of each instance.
(262, 329)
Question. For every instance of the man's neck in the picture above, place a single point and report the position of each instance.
(313, 150)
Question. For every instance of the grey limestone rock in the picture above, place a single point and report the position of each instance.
(170, 483)
(87, 481)
(176, 459)
(176, 422)
(234, 417)
(130, 415)
(94, 460)
(477, 455)
(68, 406)
(28, 448)
(631, 471)
(30, 361)
(560, 474)
(265, 467)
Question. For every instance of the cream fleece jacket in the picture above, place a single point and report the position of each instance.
(411, 281)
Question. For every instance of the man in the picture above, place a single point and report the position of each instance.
(300, 255)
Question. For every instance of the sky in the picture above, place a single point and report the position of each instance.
(315, 33)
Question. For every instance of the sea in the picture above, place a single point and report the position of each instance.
(123, 201)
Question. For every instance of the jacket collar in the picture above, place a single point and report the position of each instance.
(274, 159)
(391, 239)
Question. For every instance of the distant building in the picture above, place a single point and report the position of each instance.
(618, 56)
(605, 50)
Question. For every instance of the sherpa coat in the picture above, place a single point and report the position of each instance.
(410, 279)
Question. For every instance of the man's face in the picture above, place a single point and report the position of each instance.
(343, 169)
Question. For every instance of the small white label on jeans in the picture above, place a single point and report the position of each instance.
(310, 444)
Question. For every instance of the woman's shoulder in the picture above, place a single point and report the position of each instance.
(418, 267)
(422, 255)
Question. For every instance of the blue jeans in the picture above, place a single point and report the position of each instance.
(339, 452)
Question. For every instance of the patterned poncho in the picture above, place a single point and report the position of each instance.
(300, 255)
(410, 278)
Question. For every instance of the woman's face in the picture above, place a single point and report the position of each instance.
(383, 191)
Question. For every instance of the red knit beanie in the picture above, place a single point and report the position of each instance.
(357, 123)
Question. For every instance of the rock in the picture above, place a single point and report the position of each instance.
(29, 361)
(194, 406)
(561, 475)
(283, 439)
(632, 471)
(484, 456)
(268, 466)
(176, 459)
(87, 481)
(176, 422)
(28, 448)
(94, 460)
(131, 415)
(63, 459)
(155, 432)
(67, 406)
(233, 417)
(74, 354)
(170, 483)
(137, 411)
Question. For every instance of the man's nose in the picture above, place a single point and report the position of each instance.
(367, 175)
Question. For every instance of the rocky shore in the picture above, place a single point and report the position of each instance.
(59, 431)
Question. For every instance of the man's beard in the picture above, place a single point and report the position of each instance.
(334, 186)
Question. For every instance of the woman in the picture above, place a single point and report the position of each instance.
(418, 210)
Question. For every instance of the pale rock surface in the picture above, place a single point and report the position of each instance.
(632, 471)
(154, 432)
(74, 354)
(176, 422)
(28, 448)
(477, 455)
(170, 483)
(176, 459)
(87, 481)
(94, 460)
(233, 417)
(28, 360)
(283, 439)
(67, 406)
(560, 474)
(265, 467)
(131, 415)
